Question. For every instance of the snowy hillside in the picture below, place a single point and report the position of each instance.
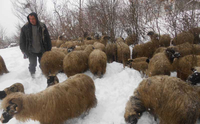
(112, 91)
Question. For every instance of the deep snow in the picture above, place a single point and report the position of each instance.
(112, 91)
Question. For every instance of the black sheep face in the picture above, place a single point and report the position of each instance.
(70, 49)
(150, 33)
(52, 80)
(171, 53)
(194, 78)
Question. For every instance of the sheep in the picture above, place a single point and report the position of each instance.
(184, 64)
(77, 61)
(68, 44)
(159, 50)
(123, 51)
(89, 42)
(164, 40)
(104, 39)
(169, 99)
(3, 68)
(100, 46)
(64, 50)
(194, 78)
(145, 50)
(53, 43)
(161, 63)
(52, 63)
(60, 41)
(187, 49)
(182, 38)
(54, 105)
(139, 64)
(17, 87)
(97, 62)
(78, 48)
(111, 52)
(131, 39)
(196, 34)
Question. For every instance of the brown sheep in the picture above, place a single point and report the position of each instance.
(187, 49)
(54, 105)
(123, 52)
(196, 33)
(159, 50)
(99, 46)
(52, 63)
(184, 64)
(89, 42)
(68, 44)
(104, 39)
(3, 68)
(182, 38)
(131, 39)
(164, 40)
(97, 62)
(169, 99)
(17, 87)
(53, 43)
(64, 50)
(77, 61)
(139, 64)
(111, 52)
(145, 50)
(161, 63)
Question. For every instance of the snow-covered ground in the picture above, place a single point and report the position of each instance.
(112, 91)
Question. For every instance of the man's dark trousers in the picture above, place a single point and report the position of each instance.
(33, 61)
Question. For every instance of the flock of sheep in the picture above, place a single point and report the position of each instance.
(172, 100)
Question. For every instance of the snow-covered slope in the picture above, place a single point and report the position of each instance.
(112, 91)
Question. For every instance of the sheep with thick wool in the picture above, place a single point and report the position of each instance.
(187, 49)
(169, 99)
(183, 37)
(139, 64)
(145, 50)
(3, 68)
(123, 51)
(111, 52)
(104, 39)
(99, 46)
(184, 64)
(54, 105)
(77, 61)
(164, 40)
(159, 50)
(196, 34)
(161, 63)
(97, 62)
(52, 63)
(131, 39)
(17, 87)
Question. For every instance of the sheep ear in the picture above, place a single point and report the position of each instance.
(18, 102)
(148, 60)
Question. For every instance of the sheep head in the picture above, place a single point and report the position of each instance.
(171, 54)
(2, 94)
(52, 80)
(194, 78)
(13, 107)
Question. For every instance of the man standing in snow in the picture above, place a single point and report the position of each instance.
(34, 40)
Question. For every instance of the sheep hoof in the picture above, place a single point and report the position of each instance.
(2, 94)
(132, 119)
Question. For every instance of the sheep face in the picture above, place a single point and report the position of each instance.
(70, 49)
(194, 78)
(150, 33)
(171, 53)
(132, 119)
(52, 80)
(14, 106)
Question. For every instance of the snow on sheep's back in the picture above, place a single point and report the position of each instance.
(112, 90)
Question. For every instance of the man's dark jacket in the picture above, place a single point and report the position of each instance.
(26, 36)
